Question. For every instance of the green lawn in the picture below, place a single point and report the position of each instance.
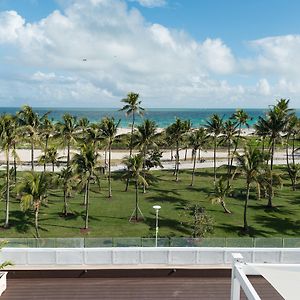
(109, 217)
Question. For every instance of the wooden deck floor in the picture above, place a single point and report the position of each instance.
(127, 287)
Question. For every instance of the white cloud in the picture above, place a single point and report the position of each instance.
(263, 87)
(11, 24)
(124, 52)
(151, 3)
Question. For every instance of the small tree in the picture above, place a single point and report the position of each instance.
(32, 189)
(134, 172)
(202, 224)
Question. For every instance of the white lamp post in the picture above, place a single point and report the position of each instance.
(157, 208)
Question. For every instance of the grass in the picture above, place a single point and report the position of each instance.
(109, 217)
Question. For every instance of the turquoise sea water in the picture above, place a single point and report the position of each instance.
(163, 117)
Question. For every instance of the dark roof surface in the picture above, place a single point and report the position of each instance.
(163, 284)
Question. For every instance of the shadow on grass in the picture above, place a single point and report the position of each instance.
(170, 223)
(22, 221)
(234, 229)
(284, 226)
(161, 198)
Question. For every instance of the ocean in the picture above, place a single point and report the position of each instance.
(163, 117)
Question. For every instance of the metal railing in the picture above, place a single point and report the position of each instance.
(150, 242)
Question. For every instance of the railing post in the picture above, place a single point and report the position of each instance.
(235, 284)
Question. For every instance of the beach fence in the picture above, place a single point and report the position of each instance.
(246, 242)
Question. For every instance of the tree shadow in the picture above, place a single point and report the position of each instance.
(170, 223)
(22, 221)
(234, 229)
(165, 198)
(284, 226)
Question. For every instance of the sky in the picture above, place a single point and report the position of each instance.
(174, 53)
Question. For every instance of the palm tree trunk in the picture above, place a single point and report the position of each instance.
(32, 155)
(215, 150)
(131, 135)
(105, 159)
(293, 150)
(171, 154)
(46, 149)
(136, 200)
(6, 224)
(226, 210)
(272, 153)
(68, 153)
(53, 167)
(144, 171)
(177, 161)
(194, 167)
(185, 156)
(15, 164)
(85, 194)
(109, 171)
(65, 202)
(36, 221)
(246, 228)
(87, 204)
(229, 164)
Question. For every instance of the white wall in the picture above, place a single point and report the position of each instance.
(137, 257)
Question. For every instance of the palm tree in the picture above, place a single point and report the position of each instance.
(109, 128)
(291, 130)
(268, 180)
(50, 156)
(176, 131)
(197, 140)
(66, 178)
(262, 130)
(47, 129)
(250, 164)
(144, 139)
(30, 122)
(86, 164)
(241, 118)
(220, 193)
(132, 107)
(33, 190)
(68, 131)
(8, 137)
(230, 136)
(133, 172)
(215, 127)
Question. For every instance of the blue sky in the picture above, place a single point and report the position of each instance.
(176, 53)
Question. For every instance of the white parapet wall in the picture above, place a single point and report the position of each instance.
(142, 256)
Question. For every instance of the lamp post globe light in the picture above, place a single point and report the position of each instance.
(157, 208)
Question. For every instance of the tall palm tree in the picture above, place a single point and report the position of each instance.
(291, 131)
(250, 164)
(144, 139)
(68, 132)
(132, 107)
(197, 140)
(47, 130)
(8, 135)
(67, 179)
(215, 127)
(86, 163)
(30, 122)
(229, 138)
(33, 189)
(109, 129)
(177, 131)
(262, 130)
(133, 172)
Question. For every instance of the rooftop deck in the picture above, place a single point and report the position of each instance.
(127, 284)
